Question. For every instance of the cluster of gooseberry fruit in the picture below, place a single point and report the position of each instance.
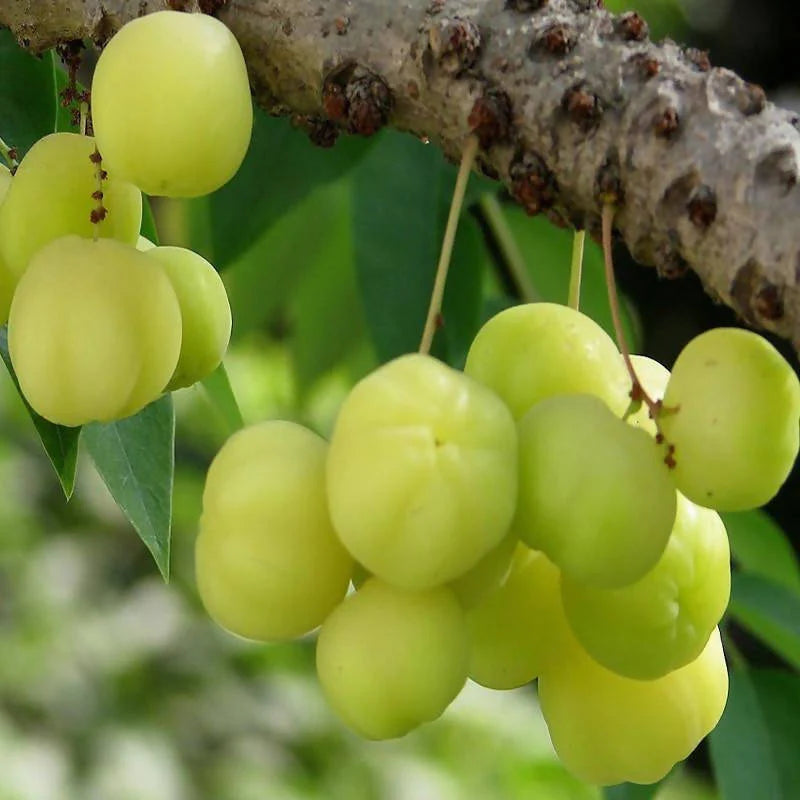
(521, 519)
(101, 321)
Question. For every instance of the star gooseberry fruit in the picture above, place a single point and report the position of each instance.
(268, 563)
(5, 181)
(421, 472)
(732, 413)
(529, 352)
(513, 629)
(653, 377)
(205, 312)
(51, 196)
(594, 493)
(389, 659)
(607, 729)
(171, 104)
(94, 331)
(663, 621)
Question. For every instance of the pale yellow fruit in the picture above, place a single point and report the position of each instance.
(268, 563)
(171, 104)
(5, 181)
(94, 331)
(653, 377)
(487, 574)
(205, 311)
(663, 621)
(608, 729)
(143, 244)
(533, 351)
(422, 472)
(389, 659)
(51, 196)
(732, 413)
(594, 493)
(515, 629)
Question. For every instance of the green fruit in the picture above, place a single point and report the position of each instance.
(205, 311)
(51, 197)
(389, 659)
(171, 104)
(594, 493)
(733, 416)
(663, 621)
(530, 352)
(513, 630)
(607, 729)
(268, 563)
(94, 331)
(653, 377)
(487, 574)
(5, 181)
(421, 472)
(143, 244)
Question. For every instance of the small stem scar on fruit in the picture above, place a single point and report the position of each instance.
(638, 394)
(435, 308)
(9, 155)
(576, 270)
(514, 259)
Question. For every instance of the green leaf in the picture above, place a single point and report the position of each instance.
(60, 443)
(28, 100)
(136, 459)
(631, 791)
(754, 747)
(547, 251)
(760, 546)
(148, 228)
(219, 391)
(397, 235)
(769, 611)
(280, 169)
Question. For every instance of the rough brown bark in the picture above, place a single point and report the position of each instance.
(573, 106)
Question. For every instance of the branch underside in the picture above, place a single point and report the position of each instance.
(574, 107)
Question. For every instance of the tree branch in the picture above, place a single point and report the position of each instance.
(574, 107)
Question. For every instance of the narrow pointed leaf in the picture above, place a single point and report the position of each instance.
(136, 459)
(219, 391)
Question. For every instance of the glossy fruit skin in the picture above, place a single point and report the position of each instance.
(653, 377)
(94, 331)
(663, 621)
(389, 659)
(5, 181)
(268, 564)
(143, 244)
(529, 352)
(51, 196)
(736, 430)
(421, 472)
(513, 628)
(7, 281)
(607, 729)
(205, 311)
(594, 493)
(171, 104)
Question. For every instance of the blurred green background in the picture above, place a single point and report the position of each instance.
(115, 686)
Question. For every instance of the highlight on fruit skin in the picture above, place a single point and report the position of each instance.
(607, 729)
(422, 472)
(50, 196)
(663, 621)
(390, 659)
(594, 493)
(205, 313)
(268, 563)
(94, 331)
(529, 352)
(171, 104)
(732, 414)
